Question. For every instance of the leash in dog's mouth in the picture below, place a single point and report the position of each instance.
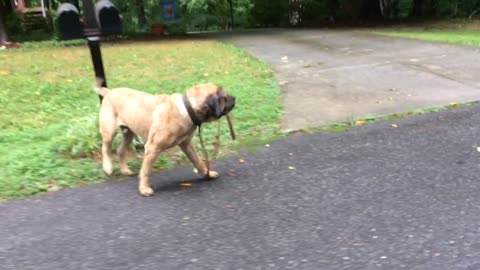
(198, 123)
(230, 126)
(216, 145)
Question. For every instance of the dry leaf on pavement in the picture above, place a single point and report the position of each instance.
(359, 122)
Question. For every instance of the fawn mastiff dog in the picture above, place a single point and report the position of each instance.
(162, 121)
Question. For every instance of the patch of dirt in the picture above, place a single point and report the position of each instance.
(9, 45)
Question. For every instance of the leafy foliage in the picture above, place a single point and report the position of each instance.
(201, 15)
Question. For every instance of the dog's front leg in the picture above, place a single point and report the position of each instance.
(152, 150)
(189, 149)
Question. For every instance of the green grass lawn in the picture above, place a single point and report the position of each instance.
(48, 110)
(465, 37)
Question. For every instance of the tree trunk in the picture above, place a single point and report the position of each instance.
(3, 31)
(389, 8)
(417, 8)
(431, 7)
(332, 7)
(382, 7)
(371, 9)
(141, 12)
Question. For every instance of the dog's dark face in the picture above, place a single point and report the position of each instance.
(213, 100)
(220, 103)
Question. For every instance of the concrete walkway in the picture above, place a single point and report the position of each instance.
(329, 76)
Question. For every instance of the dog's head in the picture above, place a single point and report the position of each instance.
(210, 102)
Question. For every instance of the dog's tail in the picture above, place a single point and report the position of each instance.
(99, 89)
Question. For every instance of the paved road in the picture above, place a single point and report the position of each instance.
(377, 197)
(343, 75)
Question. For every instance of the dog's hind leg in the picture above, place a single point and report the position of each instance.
(123, 150)
(108, 129)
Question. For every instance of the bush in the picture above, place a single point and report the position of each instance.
(13, 23)
(176, 28)
(274, 13)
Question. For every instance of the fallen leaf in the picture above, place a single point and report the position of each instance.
(283, 82)
(186, 184)
(359, 122)
(52, 186)
(241, 160)
(394, 126)
(5, 72)
(291, 168)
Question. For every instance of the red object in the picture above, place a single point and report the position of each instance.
(158, 30)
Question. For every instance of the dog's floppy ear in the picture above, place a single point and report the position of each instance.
(216, 104)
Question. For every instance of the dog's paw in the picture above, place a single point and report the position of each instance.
(126, 171)
(108, 170)
(213, 175)
(146, 191)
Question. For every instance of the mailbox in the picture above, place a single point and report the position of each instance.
(108, 18)
(68, 21)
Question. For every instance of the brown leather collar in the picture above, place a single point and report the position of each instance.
(190, 111)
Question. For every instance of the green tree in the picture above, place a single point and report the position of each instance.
(140, 6)
(218, 10)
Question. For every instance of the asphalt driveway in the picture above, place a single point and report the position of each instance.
(377, 197)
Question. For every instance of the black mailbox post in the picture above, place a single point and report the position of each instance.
(101, 19)
(68, 21)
